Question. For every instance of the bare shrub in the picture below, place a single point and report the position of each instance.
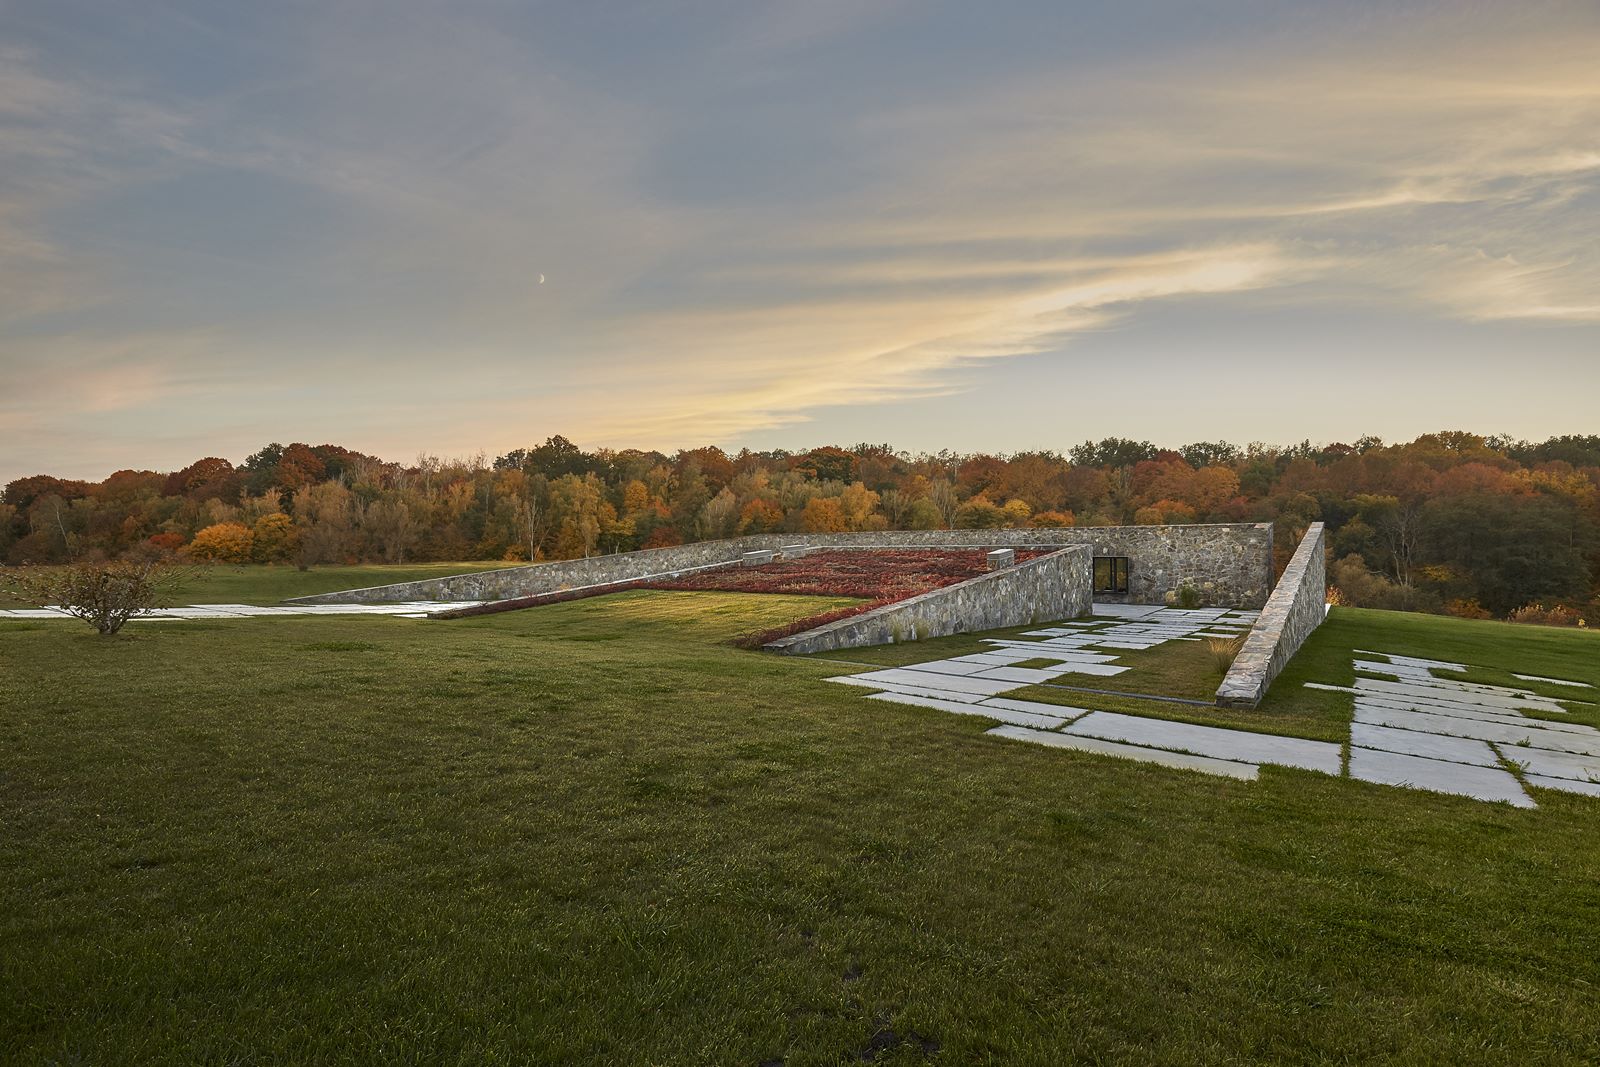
(104, 595)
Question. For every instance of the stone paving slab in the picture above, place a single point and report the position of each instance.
(1211, 741)
(910, 690)
(1552, 681)
(1500, 733)
(1016, 718)
(1566, 785)
(1026, 675)
(952, 666)
(1466, 711)
(1065, 655)
(1421, 730)
(1549, 764)
(1124, 611)
(1432, 746)
(1098, 670)
(1435, 694)
(1438, 776)
(1179, 760)
(1412, 661)
(953, 682)
(1034, 707)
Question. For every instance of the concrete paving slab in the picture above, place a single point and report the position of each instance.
(909, 690)
(1565, 785)
(1499, 733)
(1470, 712)
(1124, 611)
(1438, 776)
(1211, 741)
(1178, 760)
(1016, 718)
(1432, 746)
(1413, 661)
(1037, 650)
(1466, 711)
(953, 666)
(1096, 670)
(1022, 675)
(953, 682)
(1550, 764)
(1552, 681)
(1034, 707)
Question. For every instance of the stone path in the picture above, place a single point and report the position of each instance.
(1411, 728)
(413, 610)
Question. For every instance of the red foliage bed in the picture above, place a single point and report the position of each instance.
(879, 577)
(886, 575)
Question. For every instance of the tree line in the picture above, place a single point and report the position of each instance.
(1451, 521)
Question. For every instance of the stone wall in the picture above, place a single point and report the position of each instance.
(1296, 607)
(533, 579)
(1230, 565)
(1044, 589)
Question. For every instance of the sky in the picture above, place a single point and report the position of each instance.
(408, 227)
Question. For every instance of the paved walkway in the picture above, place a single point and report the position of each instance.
(1417, 730)
(414, 610)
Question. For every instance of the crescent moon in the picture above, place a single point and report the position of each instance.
(541, 279)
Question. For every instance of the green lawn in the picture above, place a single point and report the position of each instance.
(594, 833)
(268, 584)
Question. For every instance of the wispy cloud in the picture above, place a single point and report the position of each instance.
(744, 220)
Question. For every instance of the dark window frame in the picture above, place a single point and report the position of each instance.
(1111, 574)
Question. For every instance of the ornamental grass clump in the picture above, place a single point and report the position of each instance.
(104, 595)
(1224, 650)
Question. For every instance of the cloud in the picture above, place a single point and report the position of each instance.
(779, 214)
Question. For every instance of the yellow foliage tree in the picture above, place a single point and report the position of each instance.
(823, 514)
(273, 538)
(760, 516)
(1017, 513)
(857, 502)
(225, 542)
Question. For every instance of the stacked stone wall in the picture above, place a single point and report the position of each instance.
(1229, 565)
(1297, 607)
(1044, 589)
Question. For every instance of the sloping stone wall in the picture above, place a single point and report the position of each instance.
(1045, 589)
(1230, 564)
(1296, 608)
(532, 579)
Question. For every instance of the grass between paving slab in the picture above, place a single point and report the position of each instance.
(595, 833)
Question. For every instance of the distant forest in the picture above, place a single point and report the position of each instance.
(1451, 522)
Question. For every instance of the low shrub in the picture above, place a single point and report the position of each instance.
(1538, 615)
(1467, 608)
(104, 595)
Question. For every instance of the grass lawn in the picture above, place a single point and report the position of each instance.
(594, 833)
(268, 584)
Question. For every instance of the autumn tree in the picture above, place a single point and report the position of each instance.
(823, 514)
(272, 538)
(225, 542)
